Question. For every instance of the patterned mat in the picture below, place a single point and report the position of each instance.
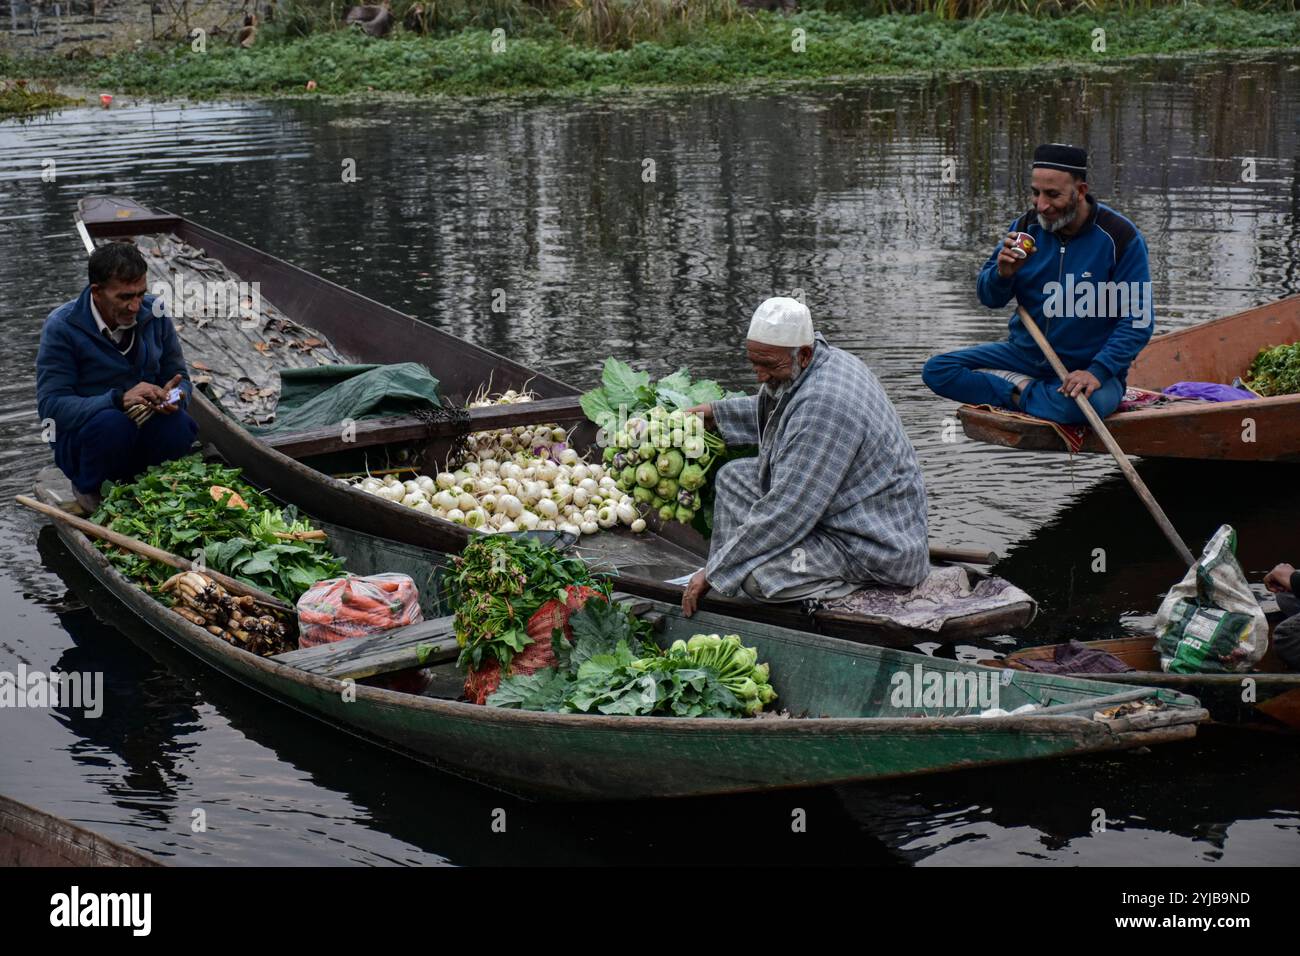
(946, 594)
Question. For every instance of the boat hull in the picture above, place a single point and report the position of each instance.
(32, 837)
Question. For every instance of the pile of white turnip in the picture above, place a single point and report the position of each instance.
(516, 479)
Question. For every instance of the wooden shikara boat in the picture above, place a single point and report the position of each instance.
(32, 837)
(1268, 698)
(846, 726)
(1217, 351)
(297, 467)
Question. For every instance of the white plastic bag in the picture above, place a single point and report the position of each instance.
(1210, 621)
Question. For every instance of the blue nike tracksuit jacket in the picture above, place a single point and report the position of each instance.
(1109, 248)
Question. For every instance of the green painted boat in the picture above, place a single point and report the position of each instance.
(853, 716)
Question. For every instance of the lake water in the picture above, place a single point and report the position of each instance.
(648, 227)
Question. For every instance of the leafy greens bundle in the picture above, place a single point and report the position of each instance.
(189, 504)
(646, 424)
(633, 393)
(497, 584)
(1276, 370)
(612, 667)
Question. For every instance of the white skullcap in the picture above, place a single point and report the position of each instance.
(781, 321)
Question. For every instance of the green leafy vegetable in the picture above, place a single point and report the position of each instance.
(544, 690)
(499, 582)
(1276, 370)
(633, 392)
(184, 506)
(651, 436)
(600, 672)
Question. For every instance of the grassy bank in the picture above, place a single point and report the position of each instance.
(18, 99)
(735, 49)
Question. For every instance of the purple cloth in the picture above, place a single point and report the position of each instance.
(1208, 391)
(1077, 658)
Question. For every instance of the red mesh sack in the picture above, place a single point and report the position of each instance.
(480, 684)
(356, 607)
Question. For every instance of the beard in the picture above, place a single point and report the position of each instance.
(1071, 213)
(774, 393)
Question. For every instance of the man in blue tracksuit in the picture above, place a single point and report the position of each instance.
(1087, 285)
(101, 354)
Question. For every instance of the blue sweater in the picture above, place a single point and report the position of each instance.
(77, 367)
(1108, 249)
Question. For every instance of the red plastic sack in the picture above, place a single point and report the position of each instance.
(356, 607)
(480, 684)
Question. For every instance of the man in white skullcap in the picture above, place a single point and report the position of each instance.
(834, 499)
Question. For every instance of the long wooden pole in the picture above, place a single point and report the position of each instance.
(150, 552)
(963, 555)
(1108, 440)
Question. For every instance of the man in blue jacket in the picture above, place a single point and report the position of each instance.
(106, 351)
(1085, 282)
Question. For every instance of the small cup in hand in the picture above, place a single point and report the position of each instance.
(1022, 245)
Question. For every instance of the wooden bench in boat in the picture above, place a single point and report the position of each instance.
(418, 645)
(425, 644)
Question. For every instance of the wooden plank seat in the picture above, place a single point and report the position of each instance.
(418, 645)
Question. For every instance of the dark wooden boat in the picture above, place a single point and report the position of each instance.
(1265, 699)
(297, 467)
(32, 837)
(846, 728)
(1217, 351)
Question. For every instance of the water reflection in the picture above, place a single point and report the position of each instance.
(1106, 527)
(1101, 810)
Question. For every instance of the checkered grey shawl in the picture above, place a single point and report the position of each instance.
(835, 473)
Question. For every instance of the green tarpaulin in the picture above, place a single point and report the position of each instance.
(326, 395)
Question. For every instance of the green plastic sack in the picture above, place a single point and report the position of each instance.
(1210, 621)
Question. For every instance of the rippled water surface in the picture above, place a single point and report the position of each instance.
(837, 191)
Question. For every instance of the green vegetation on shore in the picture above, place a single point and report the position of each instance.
(16, 99)
(537, 55)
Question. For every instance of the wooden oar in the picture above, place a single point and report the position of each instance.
(964, 555)
(1108, 440)
(149, 551)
